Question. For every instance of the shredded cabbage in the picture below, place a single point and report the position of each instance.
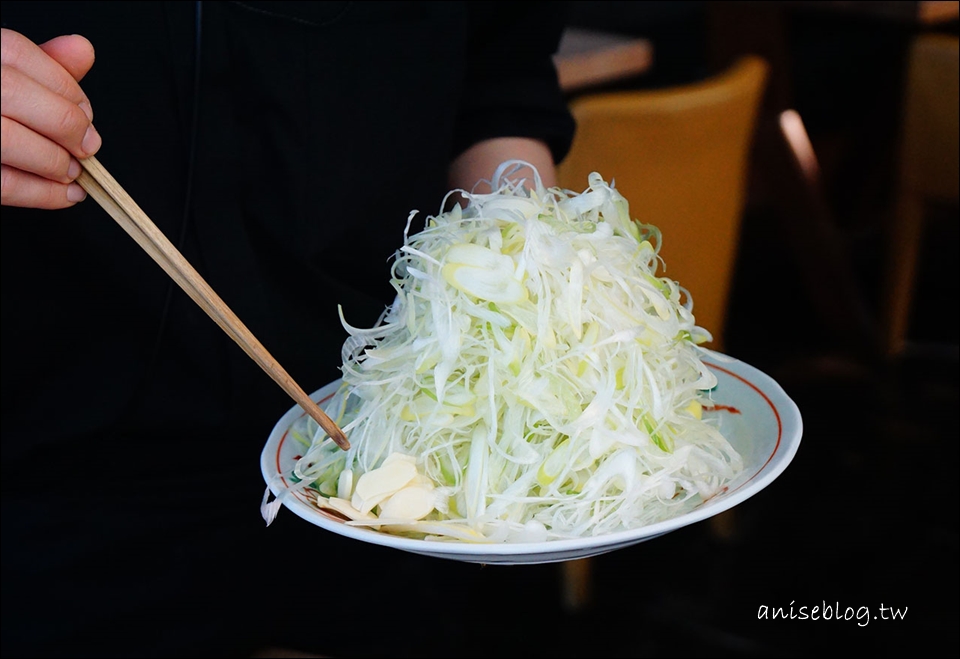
(543, 379)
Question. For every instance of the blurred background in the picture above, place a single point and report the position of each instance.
(839, 280)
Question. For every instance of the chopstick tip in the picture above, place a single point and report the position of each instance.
(341, 440)
(331, 428)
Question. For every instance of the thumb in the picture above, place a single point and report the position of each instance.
(73, 52)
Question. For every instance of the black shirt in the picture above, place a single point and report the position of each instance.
(281, 146)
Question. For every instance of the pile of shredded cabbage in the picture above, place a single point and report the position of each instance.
(545, 382)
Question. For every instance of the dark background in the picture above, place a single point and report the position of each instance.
(865, 516)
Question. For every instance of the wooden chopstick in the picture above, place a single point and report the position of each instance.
(100, 185)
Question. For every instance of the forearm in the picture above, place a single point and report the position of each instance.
(473, 168)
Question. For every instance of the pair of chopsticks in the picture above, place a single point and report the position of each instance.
(100, 185)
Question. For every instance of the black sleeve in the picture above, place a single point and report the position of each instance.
(511, 88)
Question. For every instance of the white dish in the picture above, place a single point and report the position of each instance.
(756, 415)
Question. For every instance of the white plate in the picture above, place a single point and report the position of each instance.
(757, 417)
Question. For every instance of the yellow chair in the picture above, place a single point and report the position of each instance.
(928, 170)
(680, 156)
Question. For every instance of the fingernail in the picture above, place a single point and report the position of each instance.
(87, 110)
(91, 141)
(73, 171)
(75, 193)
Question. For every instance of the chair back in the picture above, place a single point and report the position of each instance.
(929, 172)
(931, 119)
(680, 157)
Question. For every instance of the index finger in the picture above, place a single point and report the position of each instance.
(30, 104)
(18, 52)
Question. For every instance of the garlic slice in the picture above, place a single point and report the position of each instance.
(409, 504)
(378, 484)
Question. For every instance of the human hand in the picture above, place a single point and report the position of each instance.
(46, 120)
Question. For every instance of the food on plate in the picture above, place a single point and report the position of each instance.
(534, 379)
